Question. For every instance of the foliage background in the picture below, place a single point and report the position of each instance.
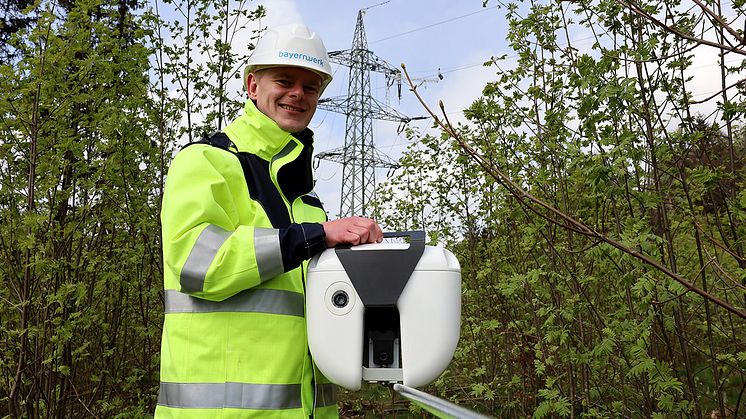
(96, 94)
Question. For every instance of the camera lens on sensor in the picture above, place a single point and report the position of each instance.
(340, 299)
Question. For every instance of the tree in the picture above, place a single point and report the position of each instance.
(198, 53)
(590, 273)
(79, 243)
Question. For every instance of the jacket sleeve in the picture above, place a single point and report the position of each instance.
(206, 251)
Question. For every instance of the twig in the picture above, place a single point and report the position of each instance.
(651, 60)
(727, 276)
(719, 92)
(77, 395)
(675, 297)
(637, 10)
(720, 21)
(586, 248)
(718, 244)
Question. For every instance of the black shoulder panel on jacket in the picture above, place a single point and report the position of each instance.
(217, 139)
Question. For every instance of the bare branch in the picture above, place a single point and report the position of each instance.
(720, 21)
(719, 92)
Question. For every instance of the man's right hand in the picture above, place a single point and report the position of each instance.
(352, 230)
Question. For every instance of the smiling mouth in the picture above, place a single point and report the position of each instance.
(290, 108)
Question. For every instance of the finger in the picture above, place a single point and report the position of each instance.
(377, 232)
(353, 238)
(361, 233)
(373, 233)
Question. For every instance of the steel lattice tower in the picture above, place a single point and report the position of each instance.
(359, 156)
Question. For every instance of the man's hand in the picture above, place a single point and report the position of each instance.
(352, 230)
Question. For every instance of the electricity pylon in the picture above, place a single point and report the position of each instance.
(359, 156)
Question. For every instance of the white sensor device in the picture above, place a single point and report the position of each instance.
(384, 312)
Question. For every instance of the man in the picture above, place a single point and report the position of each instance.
(240, 221)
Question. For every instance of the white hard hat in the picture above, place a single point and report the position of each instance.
(293, 45)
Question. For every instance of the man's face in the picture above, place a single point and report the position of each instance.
(288, 95)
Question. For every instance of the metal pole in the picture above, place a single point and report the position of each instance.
(435, 405)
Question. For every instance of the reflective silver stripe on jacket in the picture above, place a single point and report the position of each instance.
(203, 252)
(289, 147)
(326, 395)
(268, 253)
(255, 300)
(231, 395)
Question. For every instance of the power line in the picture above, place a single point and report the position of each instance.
(375, 5)
(431, 25)
(507, 57)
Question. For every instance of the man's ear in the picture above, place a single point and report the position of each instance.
(251, 85)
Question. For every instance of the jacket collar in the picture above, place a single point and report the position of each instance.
(256, 133)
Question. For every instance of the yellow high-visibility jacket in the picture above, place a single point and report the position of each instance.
(240, 221)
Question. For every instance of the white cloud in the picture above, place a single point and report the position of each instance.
(281, 12)
(706, 79)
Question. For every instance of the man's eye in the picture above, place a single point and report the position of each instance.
(283, 83)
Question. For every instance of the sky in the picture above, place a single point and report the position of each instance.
(454, 38)
(450, 37)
